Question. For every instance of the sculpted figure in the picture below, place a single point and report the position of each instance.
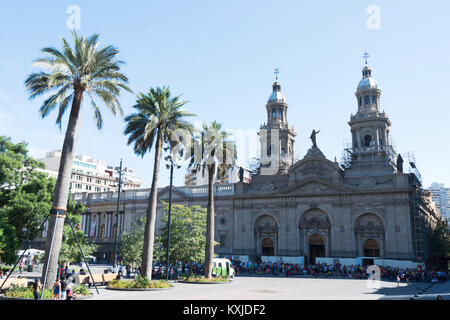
(313, 137)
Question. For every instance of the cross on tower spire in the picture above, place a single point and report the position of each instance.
(277, 71)
(366, 55)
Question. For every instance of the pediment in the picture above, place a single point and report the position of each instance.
(164, 194)
(314, 167)
(314, 185)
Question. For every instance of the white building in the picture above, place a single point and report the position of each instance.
(441, 196)
(91, 175)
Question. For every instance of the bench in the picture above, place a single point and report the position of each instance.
(21, 282)
(108, 277)
(99, 279)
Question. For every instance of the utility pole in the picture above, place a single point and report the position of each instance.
(117, 218)
(168, 220)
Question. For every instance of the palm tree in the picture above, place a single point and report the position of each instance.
(158, 116)
(85, 68)
(217, 155)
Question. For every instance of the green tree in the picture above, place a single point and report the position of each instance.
(158, 116)
(187, 234)
(70, 252)
(73, 72)
(439, 244)
(25, 197)
(132, 243)
(218, 154)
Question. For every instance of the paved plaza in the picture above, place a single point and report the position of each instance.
(280, 288)
(277, 288)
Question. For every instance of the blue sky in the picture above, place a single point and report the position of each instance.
(221, 55)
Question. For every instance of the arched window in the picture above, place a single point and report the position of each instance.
(373, 100)
(280, 112)
(274, 113)
(366, 99)
(360, 101)
(367, 140)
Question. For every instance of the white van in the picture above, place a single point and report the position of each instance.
(222, 267)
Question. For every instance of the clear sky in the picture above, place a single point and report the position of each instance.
(221, 55)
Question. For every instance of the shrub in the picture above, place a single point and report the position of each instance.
(25, 292)
(81, 290)
(197, 278)
(140, 283)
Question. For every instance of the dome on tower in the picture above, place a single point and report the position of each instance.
(276, 95)
(367, 82)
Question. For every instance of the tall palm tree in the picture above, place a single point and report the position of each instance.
(217, 153)
(73, 72)
(158, 116)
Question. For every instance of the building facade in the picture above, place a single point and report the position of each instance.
(366, 206)
(91, 175)
(441, 196)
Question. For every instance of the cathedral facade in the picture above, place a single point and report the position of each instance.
(315, 207)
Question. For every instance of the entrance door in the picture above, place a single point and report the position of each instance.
(267, 247)
(316, 247)
(371, 248)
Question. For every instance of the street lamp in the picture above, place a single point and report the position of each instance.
(117, 217)
(171, 160)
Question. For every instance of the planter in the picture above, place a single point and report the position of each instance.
(2, 297)
(203, 282)
(138, 289)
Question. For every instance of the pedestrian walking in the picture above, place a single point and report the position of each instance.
(21, 266)
(57, 290)
(69, 292)
(63, 288)
(36, 289)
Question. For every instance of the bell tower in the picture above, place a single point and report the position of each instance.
(277, 137)
(370, 127)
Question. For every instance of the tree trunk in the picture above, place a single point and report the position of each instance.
(61, 194)
(209, 248)
(149, 235)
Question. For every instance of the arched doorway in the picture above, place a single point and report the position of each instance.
(371, 248)
(314, 234)
(266, 236)
(267, 247)
(369, 236)
(316, 247)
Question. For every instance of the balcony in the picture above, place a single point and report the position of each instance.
(142, 194)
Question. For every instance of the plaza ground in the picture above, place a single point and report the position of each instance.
(279, 288)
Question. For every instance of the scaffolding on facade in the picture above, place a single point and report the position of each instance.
(412, 166)
(368, 157)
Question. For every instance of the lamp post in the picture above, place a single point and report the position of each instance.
(171, 161)
(117, 217)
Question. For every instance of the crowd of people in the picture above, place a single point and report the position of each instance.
(338, 270)
(417, 274)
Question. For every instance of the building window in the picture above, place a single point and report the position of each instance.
(280, 112)
(366, 99)
(367, 140)
(274, 113)
(360, 101)
(373, 100)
